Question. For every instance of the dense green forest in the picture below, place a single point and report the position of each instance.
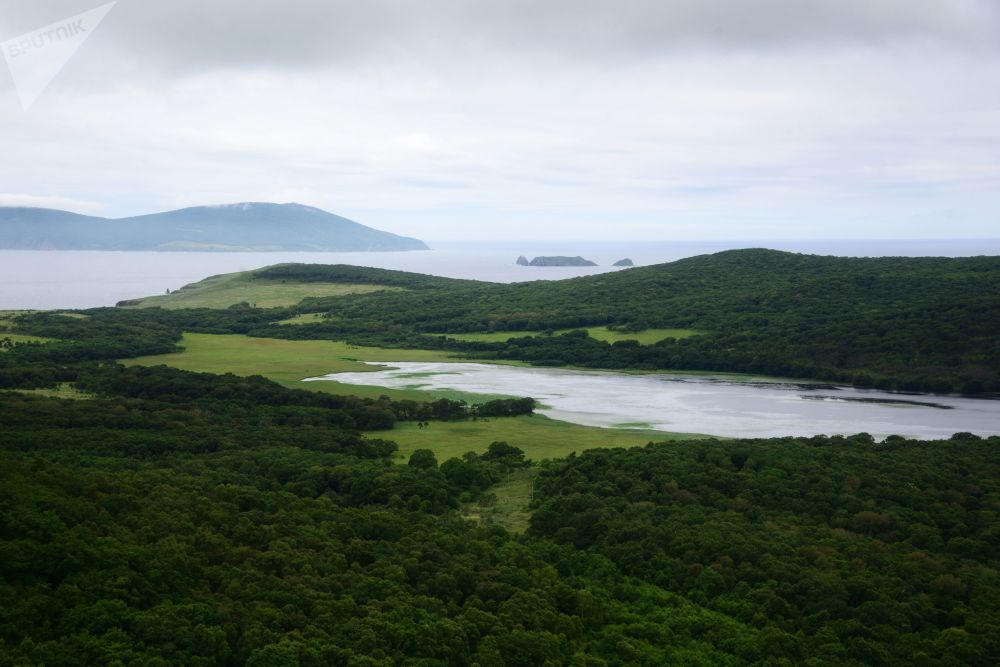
(913, 324)
(181, 518)
(835, 548)
(903, 323)
(169, 517)
(200, 519)
(896, 323)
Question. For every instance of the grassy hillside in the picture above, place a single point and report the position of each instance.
(168, 517)
(897, 323)
(246, 287)
(288, 361)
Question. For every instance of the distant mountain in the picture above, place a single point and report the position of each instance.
(231, 227)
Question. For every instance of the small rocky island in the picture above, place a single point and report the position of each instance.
(555, 261)
(624, 262)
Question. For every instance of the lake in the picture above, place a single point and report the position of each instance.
(86, 279)
(714, 405)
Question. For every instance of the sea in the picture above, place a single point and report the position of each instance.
(65, 279)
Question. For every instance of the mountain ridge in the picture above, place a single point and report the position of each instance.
(241, 226)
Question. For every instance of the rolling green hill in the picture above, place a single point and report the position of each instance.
(153, 515)
(923, 323)
(912, 324)
(245, 288)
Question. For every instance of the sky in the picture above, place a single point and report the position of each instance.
(526, 119)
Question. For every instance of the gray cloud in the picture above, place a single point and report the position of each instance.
(199, 35)
(703, 118)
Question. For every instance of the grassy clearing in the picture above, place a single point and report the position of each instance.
(304, 318)
(63, 390)
(538, 436)
(7, 317)
(646, 337)
(290, 361)
(233, 288)
(506, 504)
(17, 339)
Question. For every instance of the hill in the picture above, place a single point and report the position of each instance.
(287, 285)
(198, 519)
(231, 227)
(153, 515)
(922, 323)
(246, 287)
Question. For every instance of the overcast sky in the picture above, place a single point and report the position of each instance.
(544, 119)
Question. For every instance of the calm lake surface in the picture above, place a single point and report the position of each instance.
(86, 279)
(713, 405)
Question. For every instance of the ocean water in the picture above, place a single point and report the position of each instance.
(85, 279)
(720, 406)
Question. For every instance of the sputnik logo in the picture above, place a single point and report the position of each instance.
(35, 58)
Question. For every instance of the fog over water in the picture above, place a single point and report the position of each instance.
(81, 279)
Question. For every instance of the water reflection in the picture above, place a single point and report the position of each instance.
(715, 405)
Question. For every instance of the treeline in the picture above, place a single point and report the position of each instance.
(898, 323)
(81, 341)
(837, 550)
(100, 335)
(343, 273)
(912, 324)
(473, 474)
(162, 531)
(142, 531)
(86, 349)
(444, 409)
(188, 518)
(162, 383)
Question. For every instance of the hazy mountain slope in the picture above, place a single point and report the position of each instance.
(24, 228)
(247, 226)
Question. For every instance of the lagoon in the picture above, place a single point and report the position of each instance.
(723, 406)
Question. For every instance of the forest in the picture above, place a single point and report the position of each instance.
(921, 324)
(896, 323)
(147, 526)
(163, 517)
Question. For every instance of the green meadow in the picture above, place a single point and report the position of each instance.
(234, 288)
(7, 317)
(288, 362)
(538, 436)
(63, 390)
(304, 318)
(507, 502)
(22, 338)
